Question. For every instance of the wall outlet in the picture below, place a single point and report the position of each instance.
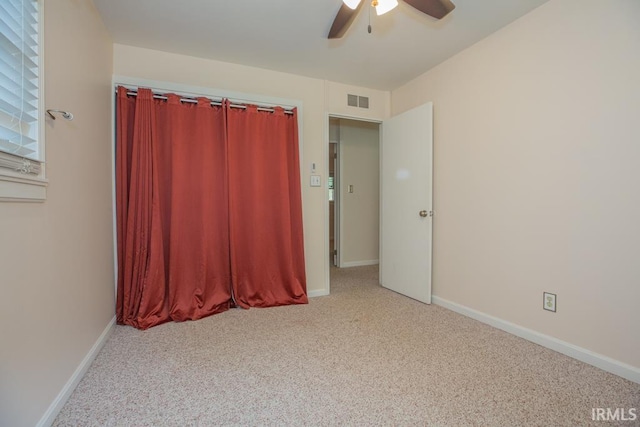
(549, 301)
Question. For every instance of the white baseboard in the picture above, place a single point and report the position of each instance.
(599, 361)
(318, 293)
(54, 409)
(360, 263)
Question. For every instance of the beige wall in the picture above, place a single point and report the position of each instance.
(154, 65)
(56, 257)
(379, 101)
(360, 167)
(537, 149)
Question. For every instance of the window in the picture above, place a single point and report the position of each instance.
(21, 153)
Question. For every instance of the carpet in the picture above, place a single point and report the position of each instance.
(362, 356)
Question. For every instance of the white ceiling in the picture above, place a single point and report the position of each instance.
(290, 35)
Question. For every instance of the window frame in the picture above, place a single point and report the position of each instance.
(30, 185)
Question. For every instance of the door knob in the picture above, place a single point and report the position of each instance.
(423, 214)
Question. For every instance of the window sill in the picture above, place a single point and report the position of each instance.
(21, 188)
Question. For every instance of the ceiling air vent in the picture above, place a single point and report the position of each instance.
(352, 100)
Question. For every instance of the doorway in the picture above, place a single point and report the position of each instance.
(404, 207)
(354, 192)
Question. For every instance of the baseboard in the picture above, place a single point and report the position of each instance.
(54, 409)
(318, 293)
(360, 263)
(599, 361)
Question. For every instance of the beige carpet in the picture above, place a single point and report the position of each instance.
(362, 356)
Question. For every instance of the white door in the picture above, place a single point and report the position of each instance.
(406, 203)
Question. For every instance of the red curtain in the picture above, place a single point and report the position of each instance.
(140, 244)
(267, 253)
(172, 210)
(204, 194)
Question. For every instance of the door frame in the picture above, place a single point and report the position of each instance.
(336, 206)
(327, 260)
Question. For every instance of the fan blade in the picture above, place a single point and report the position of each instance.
(343, 20)
(436, 8)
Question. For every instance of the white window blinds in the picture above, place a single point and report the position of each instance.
(19, 86)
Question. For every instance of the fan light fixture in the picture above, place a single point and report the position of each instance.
(382, 6)
(351, 3)
(437, 9)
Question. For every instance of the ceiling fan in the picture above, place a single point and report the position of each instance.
(349, 9)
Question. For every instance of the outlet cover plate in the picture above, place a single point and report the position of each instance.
(549, 301)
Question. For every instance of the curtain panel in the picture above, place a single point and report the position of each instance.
(197, 204)
(267, 253)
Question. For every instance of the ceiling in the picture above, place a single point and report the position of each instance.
(290, 35)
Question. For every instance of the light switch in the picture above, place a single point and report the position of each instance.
(315, 181)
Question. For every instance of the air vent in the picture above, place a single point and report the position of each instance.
(357, 101)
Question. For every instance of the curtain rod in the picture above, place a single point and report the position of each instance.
(195, 101)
